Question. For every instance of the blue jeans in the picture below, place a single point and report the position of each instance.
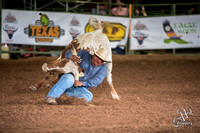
(65, 85)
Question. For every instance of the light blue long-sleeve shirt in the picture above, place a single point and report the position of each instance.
(93, 75)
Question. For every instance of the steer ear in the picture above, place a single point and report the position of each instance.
(73, 50)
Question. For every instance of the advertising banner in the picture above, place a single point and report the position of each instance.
(56, 29)
(165, 32)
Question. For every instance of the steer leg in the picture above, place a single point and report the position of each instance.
(55, 80)
(40, 83)
(113, 92)
(109, 79)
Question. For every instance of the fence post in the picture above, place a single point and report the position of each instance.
(35, 5)
(174, 9)
(110, 7)
(174, 14)
(97, 8)
(67, 6)
(129, 35)
(174, 51)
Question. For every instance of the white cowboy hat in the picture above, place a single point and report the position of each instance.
(102, 54)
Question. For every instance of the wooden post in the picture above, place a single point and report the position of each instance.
(129, 35)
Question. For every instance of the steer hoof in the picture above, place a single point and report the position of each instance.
(49, 85)
(115, 96)
(33, 88)
(44, 67)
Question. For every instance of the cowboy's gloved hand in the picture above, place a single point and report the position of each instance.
(78, 83)
(75, 59)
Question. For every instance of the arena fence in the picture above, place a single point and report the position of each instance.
(152, 10)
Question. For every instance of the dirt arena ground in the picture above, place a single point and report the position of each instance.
(151, 88)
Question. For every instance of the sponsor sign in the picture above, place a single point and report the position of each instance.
(114, 31)
(165, 32)
(44, 30)
(10, 26)
(56, 29)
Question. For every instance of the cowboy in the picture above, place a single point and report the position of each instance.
(94, 73)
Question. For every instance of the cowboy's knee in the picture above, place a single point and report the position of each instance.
(89, 97)
(69, 78)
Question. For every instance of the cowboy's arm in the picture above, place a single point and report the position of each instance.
(96, 79)
(75, 58)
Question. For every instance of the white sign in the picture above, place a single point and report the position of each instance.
(56, 29)
(165, 32)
